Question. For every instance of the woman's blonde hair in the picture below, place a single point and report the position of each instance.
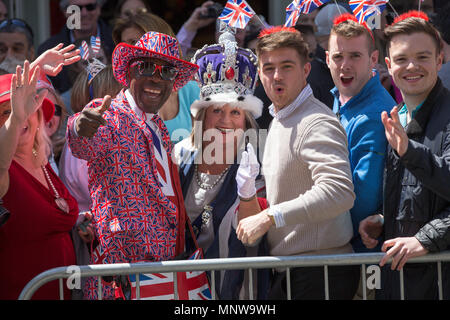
(42, 142)
(102, 84)
(58, 138)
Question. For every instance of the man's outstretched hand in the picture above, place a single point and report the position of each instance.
(90, 119)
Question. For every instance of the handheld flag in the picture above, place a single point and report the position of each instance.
(296, 7)
(292, 13)
(84, 50)
(308, 6)
(95, 44)
(363, 9)
(237, 13)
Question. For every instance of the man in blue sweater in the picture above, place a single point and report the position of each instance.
(359, 100)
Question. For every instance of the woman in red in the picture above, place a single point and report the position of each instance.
(36, 236)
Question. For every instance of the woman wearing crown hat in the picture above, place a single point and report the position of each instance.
(212, 180)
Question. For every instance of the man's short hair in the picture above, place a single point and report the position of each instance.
(18, 25)
(412, 25)
(351, 29)
(284, 38)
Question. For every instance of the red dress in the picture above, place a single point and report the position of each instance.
(36, 237)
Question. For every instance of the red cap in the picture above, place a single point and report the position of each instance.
(48, 107)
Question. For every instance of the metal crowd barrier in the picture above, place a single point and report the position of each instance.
(247, 263)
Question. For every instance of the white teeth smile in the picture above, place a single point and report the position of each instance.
(152, 91)
(225, 130)
(413, 78)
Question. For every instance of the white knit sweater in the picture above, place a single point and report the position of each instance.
(308, 178)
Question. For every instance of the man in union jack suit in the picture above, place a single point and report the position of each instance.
(137, 205)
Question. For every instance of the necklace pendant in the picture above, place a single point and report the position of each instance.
(206, 214)
(62, 204)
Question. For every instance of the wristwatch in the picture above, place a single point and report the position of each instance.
(247, 199)
(272, 219)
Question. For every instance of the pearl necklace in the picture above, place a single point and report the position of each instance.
(60, 202)
(205, 186)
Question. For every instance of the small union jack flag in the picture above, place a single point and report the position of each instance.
(84, 50)
(237, 13)
(296, 7)
(292, 13)
(191, 285)
(95, 44)
(307, 6)
(363, 9)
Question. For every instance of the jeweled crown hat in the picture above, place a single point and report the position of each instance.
(227, 75)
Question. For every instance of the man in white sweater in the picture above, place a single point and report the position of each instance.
(307, 172)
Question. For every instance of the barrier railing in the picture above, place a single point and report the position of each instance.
(247, 263)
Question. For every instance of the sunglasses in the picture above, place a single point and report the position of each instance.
(58, 110)
(89, 7)
(17, 23)
(147, 69)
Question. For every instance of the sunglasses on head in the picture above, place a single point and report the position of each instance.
(89, 6)
(17, 23)
(147, 69)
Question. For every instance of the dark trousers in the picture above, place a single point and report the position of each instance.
(420, 282)
(307, 283)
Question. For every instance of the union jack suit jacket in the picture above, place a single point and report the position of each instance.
(134, 219)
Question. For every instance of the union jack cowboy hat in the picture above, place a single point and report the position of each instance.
(152, 45)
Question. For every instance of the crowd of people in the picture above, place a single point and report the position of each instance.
(328, 137)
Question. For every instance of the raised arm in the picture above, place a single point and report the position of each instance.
(245, 178)
(53, 60)
(24, 102)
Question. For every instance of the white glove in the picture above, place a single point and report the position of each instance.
(247, 172)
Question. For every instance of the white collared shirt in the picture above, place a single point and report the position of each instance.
(281, 114)
(287, 110)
